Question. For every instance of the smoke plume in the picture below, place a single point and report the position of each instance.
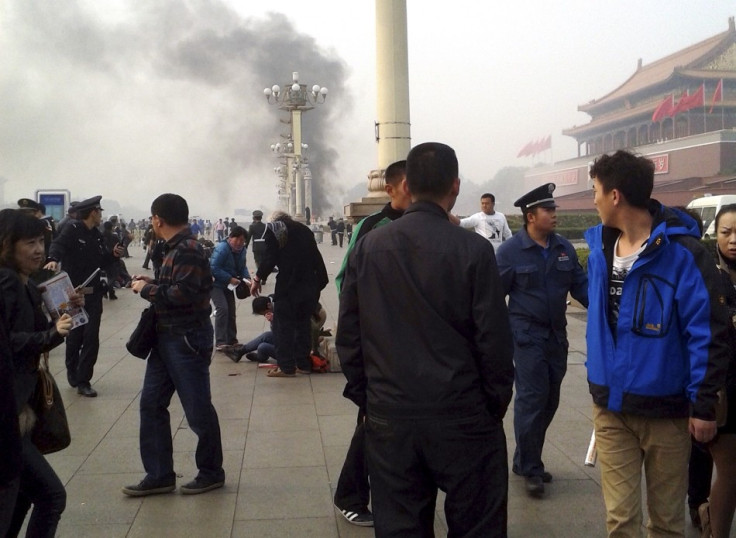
(157, 96)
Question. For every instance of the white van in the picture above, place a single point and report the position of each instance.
(707, 207)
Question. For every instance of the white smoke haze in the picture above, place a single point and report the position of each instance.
(156, 96)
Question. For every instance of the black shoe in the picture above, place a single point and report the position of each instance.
(112, 296)
(147, 487)
(87, 391)
(253, 356)
(534, 485)
(361, 518)
(146, 267)
(546, 477)
(201, 485)
(70, 380)
(234, 354)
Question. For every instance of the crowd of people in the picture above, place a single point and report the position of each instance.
(432, 355)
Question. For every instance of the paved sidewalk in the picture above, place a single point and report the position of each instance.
(284, 441)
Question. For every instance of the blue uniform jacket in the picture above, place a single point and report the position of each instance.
(538, 287)
(670, 352)
(226, 264)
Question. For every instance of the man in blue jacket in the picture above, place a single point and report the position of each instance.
(228, 268)
(657, 345)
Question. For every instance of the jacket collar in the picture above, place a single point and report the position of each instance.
(427, 207)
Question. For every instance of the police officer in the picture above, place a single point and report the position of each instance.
(80, 248)
(256, 233)
(538, 268)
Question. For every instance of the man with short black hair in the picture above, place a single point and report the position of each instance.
(427, 351)
(658, 346)
(180, 361)
(488, 222)
(228, 269)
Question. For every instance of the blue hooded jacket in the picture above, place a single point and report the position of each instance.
(669, 354)
(226, 264)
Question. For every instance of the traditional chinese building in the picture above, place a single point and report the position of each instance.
(680, 111)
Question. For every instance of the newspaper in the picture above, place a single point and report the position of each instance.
(56, 292)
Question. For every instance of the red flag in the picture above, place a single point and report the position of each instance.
(688, 102)
(547, 143)
(717, 96)
(526, 150)
(665, 108)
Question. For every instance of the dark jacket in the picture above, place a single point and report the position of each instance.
(81, 250)
(30, 333)
(301, 268)
(537, 286)
(255, 234)
(423, 327)
(669, 354)
(182, 293)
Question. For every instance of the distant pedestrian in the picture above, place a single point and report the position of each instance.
(340, 229)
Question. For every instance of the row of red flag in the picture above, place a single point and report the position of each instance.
(536, 146)
(668, 108)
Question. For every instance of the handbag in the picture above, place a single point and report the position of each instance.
(143, 339)
(51, 431)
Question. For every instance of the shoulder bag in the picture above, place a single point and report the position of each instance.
(143, 339)
(51, 431)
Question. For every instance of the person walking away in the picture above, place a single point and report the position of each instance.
(256, 234)
(353, 489)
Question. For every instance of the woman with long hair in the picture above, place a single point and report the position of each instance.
(722, 501)
(30, 334)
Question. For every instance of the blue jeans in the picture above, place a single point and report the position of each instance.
(180, 362)
(263, 345)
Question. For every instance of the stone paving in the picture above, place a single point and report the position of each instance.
(284, 441)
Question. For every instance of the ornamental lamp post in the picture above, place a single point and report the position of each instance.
(295, 100)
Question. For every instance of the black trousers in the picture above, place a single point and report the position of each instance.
(410, 458)
(292, 330)
(353, 490)
(83, 343)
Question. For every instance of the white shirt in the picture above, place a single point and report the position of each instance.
(492, 227)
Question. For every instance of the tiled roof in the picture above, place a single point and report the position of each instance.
(660, 70)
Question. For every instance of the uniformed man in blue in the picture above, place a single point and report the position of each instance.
(538, 269)
(80, 249)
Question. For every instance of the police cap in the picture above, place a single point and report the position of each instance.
(539, 197)
(258, 214)
(27, 203)
(89, 203)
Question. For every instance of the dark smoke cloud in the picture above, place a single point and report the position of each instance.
(165, 96)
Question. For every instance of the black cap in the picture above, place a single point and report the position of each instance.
(258, 214)
(89, 203)
(539, 197)
(27, 203)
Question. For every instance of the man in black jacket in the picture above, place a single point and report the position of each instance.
(425, 344)
(80, 248)
(301, 277)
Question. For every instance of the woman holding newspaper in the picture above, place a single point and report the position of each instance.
(30, 334)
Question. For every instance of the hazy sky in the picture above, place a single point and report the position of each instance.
(132, 98)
